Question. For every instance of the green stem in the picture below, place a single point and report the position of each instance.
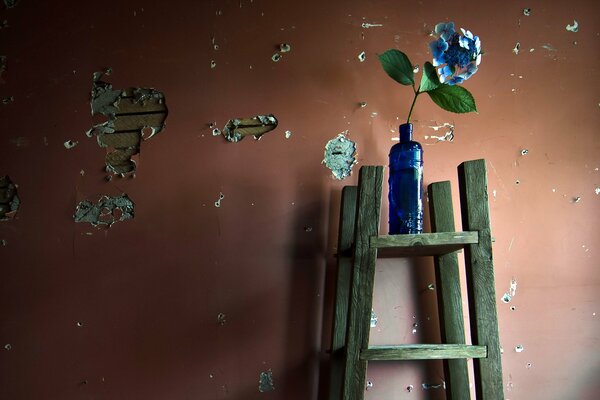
(417, 93)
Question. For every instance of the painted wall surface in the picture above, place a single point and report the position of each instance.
(192, 301)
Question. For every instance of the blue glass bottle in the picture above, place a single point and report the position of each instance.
(406, 184)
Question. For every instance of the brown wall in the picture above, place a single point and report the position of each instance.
(131, 312)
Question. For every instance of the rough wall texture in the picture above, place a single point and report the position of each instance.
(192, 301)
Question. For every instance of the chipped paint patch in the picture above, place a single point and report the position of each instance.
(69, 144)
(519, 348)
(106, 211)
(9, 199)
(597, 190)
(288, 134)
(374, 319)
(285, 48)
(7, 100)
(527, 12)
(368, 25)
(238, 128)
(512, 291)
(429, 386)
(265, 382)
(448, 134)
(221, 319)
(573, 28)
(362, 57)
(133, 115)
(340, 156)
(517, 48)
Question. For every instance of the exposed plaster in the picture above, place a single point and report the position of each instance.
(573, 28)
(106, 211)
(340, 156)
(265, 382)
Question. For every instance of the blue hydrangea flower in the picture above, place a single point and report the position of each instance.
(461, 54)
(445, 31)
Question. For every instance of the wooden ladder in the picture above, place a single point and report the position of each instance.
(358, 243)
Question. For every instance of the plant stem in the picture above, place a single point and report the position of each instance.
(417, 93)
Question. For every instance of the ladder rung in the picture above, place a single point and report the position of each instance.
(423, 352)
(425, 243)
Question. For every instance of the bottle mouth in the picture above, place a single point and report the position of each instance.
(406, 132)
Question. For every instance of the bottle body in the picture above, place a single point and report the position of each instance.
(406, 185)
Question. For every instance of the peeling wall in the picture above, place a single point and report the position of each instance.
(221, 287)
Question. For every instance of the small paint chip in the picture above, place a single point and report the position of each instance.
(69, 144)
(276, 57)
(517, 48)
(213, 64)
(218, 202)
(362, 104)
(416, 69)
(368, 25)
(221, 319)
(8, 346)
(529, 365)
(597, 190)
(431, 286)
(519, 348)
(362, 57)
(577, 199)
(216, 132)
(265, 382)
(9, 199)
(410, 388)
(369, 385)
(374, 319)
(527, 12)
(7, 100)
(506, 298)
(288, 134)
(574, 27)
(524, 152)
(285, 48)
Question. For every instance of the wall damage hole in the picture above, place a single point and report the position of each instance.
(133, 115)
(597, 190)
(519, 348)
(527, 12)
(576, 199)
(512, 291)
(9, 199)
(8, 347)
(340, 156)
(106, 211)
(218, 202)
(238, 128)
(265, 382)
(369, 385)
(368, 25)
(524, 152)
(3, 243)
(276, 57)
(221, 319)
(529, 365)
(410, 388)
(285, 48)
(7, 100)
(362, 104)
(362, 57)
(573, 28)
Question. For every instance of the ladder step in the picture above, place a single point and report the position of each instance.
(424, 244)
(423, 352)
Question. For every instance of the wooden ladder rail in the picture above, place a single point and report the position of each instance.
(360, 218)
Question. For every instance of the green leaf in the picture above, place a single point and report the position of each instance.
(397, 65)
(429, 79)
(455, 99)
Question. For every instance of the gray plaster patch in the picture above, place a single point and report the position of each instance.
(106, 211)
(265, 382)
(340, 156)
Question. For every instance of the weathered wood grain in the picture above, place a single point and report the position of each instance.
(452, 352)
(367, 225)
(448, 291)
(480, 279)
(424, 244)
(342, 291)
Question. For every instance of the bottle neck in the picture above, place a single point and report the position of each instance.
(406, 133)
